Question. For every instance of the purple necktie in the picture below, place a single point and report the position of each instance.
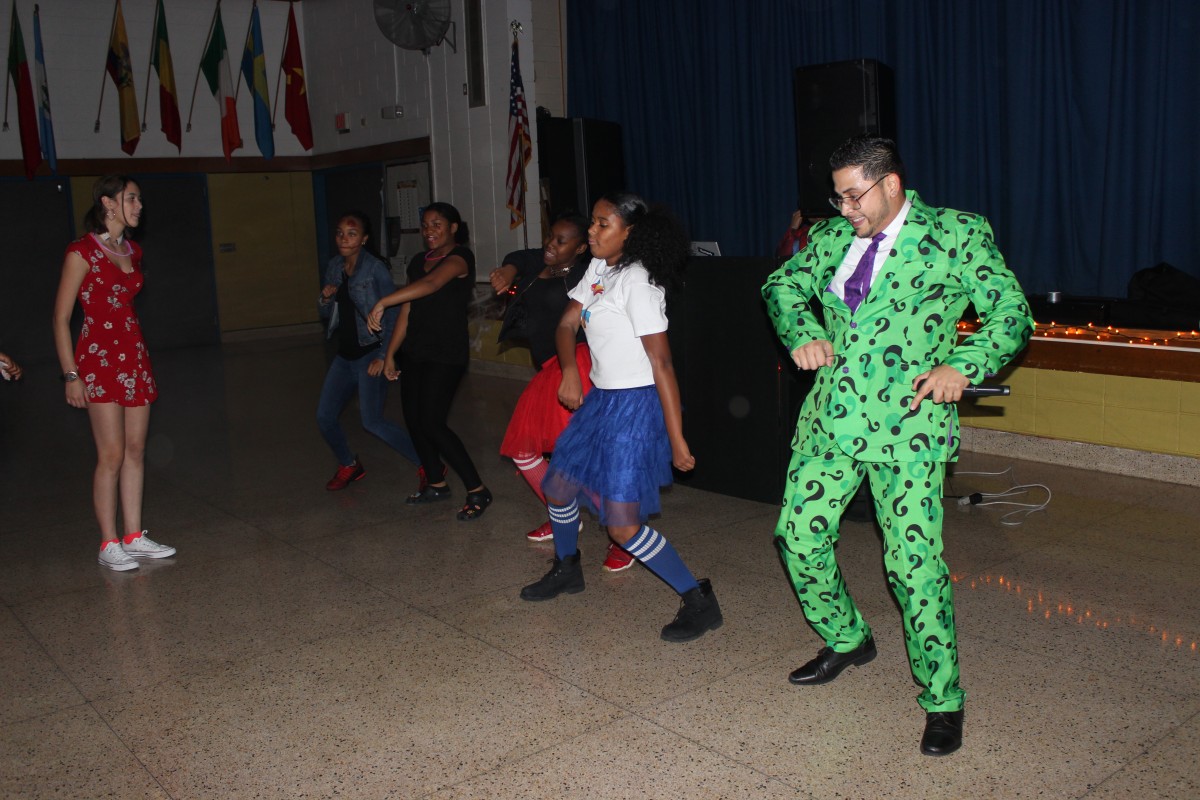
(859, 283)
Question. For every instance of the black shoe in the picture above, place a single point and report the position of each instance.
(477, 503)
(943, 733)
(698, 612)
(565, 576)
(828, 664)
(429, 494)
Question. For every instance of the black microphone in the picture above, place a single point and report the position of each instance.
(986, 391)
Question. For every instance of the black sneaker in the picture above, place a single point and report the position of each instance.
(565, 576)
(699, 612)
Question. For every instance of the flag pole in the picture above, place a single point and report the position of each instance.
(149, 67)
(104, 77)
(7, 80)
(211, 24)
(517, 28)
(279, 74)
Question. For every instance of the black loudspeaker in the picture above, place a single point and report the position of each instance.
(739, 388)
(834, 102)
(579, 160)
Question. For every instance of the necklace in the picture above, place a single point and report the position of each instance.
(429, 258)
(100, 243)
(560, 272)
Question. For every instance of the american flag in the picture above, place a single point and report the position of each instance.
(520, 149)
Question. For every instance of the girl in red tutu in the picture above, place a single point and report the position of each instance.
(539, 280)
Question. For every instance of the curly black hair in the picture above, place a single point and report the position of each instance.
(657, 240)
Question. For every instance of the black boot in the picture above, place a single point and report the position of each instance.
(565, 576)
(699, 612)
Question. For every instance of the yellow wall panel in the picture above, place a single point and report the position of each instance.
(1014, 414)
(1189, 398)
(264, 249)
(1069, 419)
(1079, 387)
(1141, 430)
(1146, 394)
(1189, 435)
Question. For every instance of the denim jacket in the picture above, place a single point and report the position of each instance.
(371, 280)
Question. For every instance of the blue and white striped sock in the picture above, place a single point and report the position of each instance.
(564, 520)
(652, 549)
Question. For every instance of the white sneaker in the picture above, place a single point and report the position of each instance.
(145, 547)
(114, 556)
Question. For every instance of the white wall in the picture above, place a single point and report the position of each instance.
(349, 67)
(355, 69)
(75, 40)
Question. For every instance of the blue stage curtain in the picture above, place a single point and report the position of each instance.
(1072, 124)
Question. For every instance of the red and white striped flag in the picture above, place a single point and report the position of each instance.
(520, 148)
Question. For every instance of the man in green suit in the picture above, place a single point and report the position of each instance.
(872, 305)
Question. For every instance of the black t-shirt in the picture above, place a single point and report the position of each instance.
(534, 311)
(347, 330)
(437, 323)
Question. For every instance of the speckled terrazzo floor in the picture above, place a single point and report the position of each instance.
(311, 644)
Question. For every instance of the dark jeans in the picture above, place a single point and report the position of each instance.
(426, 392)
(343, 379)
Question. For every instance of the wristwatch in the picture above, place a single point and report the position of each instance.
(70, 376)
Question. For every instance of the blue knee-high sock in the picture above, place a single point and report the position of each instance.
(564, 520)
(652, 549)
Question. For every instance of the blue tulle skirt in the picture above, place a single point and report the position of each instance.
(614, 456)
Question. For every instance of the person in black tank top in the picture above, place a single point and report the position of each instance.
(431, 338)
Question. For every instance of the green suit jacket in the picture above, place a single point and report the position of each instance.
(941, 261)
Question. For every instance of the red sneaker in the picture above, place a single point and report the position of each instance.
(345, 475)
(618, 560)
(542, 533)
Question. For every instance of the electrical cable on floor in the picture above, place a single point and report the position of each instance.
(1011, 518)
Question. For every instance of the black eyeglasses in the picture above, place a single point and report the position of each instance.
(855, 202)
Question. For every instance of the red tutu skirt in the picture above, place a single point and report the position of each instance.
(539, 417)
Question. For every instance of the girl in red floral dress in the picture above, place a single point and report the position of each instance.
(108, 370)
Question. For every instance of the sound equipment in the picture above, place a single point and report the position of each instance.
(579, 160)
(739, 389)
(834, 102)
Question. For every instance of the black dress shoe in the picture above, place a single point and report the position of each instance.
(828, 664)
(943, 733)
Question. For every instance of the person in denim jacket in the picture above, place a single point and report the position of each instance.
(354, 281)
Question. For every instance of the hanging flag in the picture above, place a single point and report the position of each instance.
(254, 70)
(168, 99)
(120, 69)
(295, 99)
(520, 149)
(18, 71)
(215, 65)
(45, 123)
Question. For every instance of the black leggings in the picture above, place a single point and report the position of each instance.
(426, 393)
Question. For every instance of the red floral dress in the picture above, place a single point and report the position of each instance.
(111, 355)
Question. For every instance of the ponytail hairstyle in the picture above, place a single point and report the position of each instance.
(656, 239)
(110, 186)
(462, 235)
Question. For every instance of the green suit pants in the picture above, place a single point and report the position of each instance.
(908, 505)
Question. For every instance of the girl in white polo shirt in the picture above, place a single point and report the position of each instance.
(619, 447)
